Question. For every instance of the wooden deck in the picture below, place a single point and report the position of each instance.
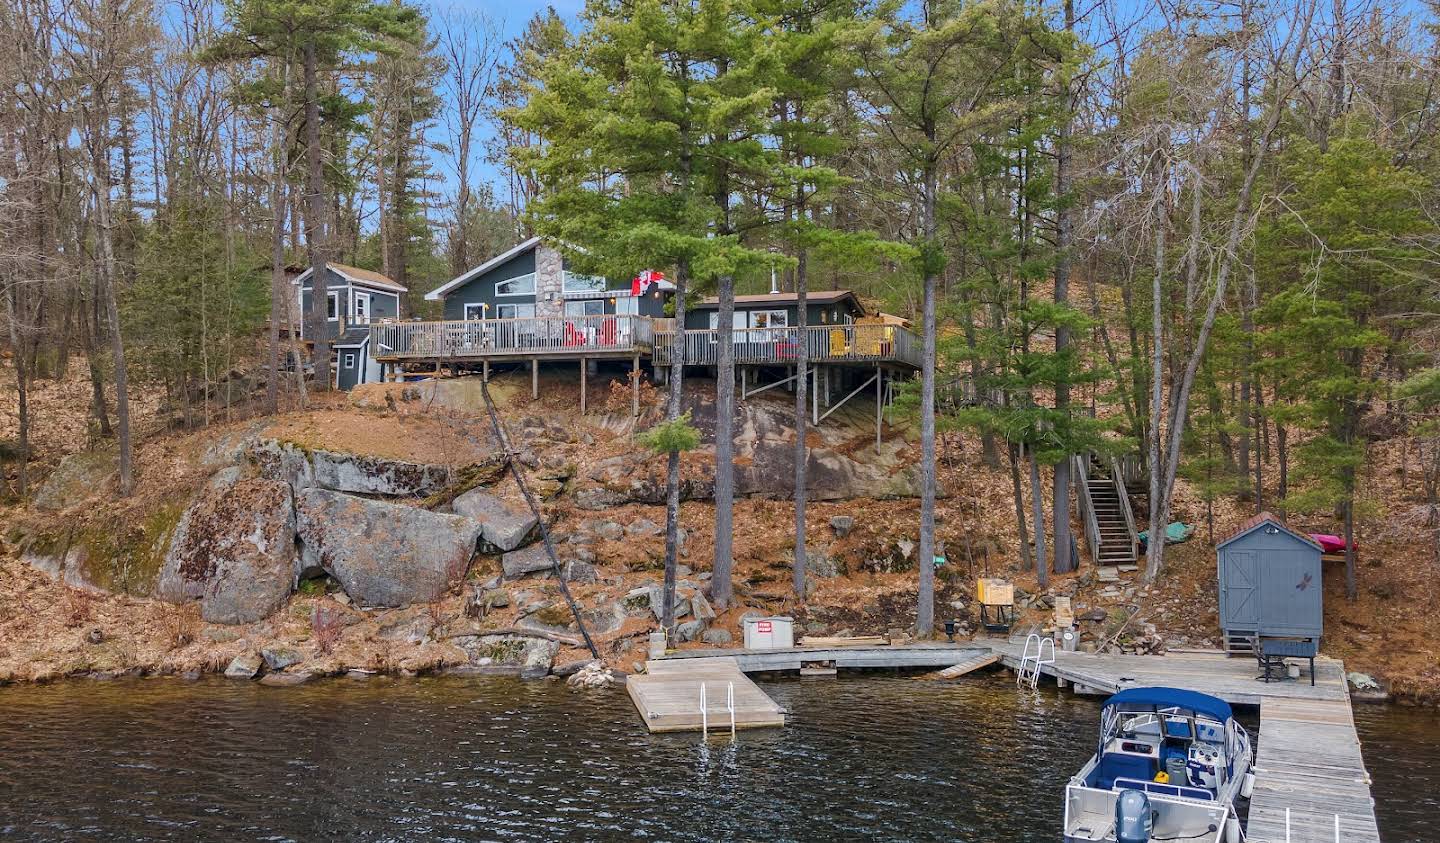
(582, 337)
(667, 696)
(825, 344)
(935, 655)
(566, 338)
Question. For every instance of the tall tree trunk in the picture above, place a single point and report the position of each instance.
(925, 611)
(1037, 501)
(1155, 547)
(315, 227)
(802, 368)
(89, 328)
(720, 585)
(278, 296)
(105, 281)
(1017, 488)
(1064, 558)
(672, 465)
(14, 315)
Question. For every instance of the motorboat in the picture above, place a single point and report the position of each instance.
(1169, 765)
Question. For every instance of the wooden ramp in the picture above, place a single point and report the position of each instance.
(668, 696)
(1309, 762)
(975, 662)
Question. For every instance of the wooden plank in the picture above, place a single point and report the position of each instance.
(968, 666)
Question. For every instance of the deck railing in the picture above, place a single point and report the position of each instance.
(540, 336)
(824, 344)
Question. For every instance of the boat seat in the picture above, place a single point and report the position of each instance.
(1114, 765)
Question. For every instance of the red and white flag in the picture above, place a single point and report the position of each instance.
(642, 283)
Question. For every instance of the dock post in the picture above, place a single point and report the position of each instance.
(534, 378)
(879, 407)
(584, 372)
(635, 387)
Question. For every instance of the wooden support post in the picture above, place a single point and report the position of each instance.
(635, 387)
(879, 404)
(744, 382)
(534, 378)
(814, 395)
(485, 370)
(584, 372)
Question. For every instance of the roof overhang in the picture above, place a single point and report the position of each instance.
(387, 286)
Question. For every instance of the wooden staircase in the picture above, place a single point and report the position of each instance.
(1105, 508)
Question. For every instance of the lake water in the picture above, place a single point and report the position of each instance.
(464, 759)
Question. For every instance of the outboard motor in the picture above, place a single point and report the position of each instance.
(1133, 820)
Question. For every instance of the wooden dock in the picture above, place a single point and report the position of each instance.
(1308, 756)
(901, 656)
(668, 696)
(1308, 761)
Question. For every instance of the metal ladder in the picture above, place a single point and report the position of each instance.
(705, 709)
(1031, 662)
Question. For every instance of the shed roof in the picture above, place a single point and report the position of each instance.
(356, 275)
(1256, 521)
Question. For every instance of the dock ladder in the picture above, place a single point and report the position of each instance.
(1031, 662)
(705, 709)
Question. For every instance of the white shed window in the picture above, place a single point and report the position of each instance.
(520, 285)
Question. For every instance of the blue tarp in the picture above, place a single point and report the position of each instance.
(1144, 699)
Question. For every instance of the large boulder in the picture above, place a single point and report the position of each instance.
(233, 550)
(531, 560)
(75, 479)
(384, 554)
(354, 473)
(503, 529)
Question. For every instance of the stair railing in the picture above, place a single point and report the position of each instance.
(1123, 496)
(1081, 472)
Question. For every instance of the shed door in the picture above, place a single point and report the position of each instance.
(1242, 604)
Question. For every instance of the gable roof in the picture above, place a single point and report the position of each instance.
(355, 275)
(816, 297)
(1258, 520)
(439, 292)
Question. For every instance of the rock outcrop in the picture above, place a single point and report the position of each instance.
(75, 479)
(502, 529)
(383, 554)
(234, 550)
(341, 472)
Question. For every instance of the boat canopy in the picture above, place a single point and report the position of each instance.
(1145, 699)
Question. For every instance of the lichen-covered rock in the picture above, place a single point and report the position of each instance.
(531, 560)
(502, 528)
(75, 479)
(276, 460)
(514, 655)
(383, 554)
(234, 550)
(376, 475)
(244, 666)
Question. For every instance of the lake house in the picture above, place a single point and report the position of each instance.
(354, 299)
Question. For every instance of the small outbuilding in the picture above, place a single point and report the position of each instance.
(1270, 583)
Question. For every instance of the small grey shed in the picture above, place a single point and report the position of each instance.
(1270, 583)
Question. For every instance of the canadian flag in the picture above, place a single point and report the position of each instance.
(640, 284)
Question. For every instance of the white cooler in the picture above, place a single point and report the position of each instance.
(775, 633)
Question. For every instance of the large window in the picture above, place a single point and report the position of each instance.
(474, 310)
(515, 311)
(587, 307)
(574, 282)
(332, 305)
(520, 285)
(769, 319)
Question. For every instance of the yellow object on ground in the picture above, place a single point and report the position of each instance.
(1162, 777)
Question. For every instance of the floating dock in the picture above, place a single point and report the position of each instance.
(669, 697)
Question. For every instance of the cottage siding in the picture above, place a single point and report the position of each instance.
(481, 288)
(549, 267)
